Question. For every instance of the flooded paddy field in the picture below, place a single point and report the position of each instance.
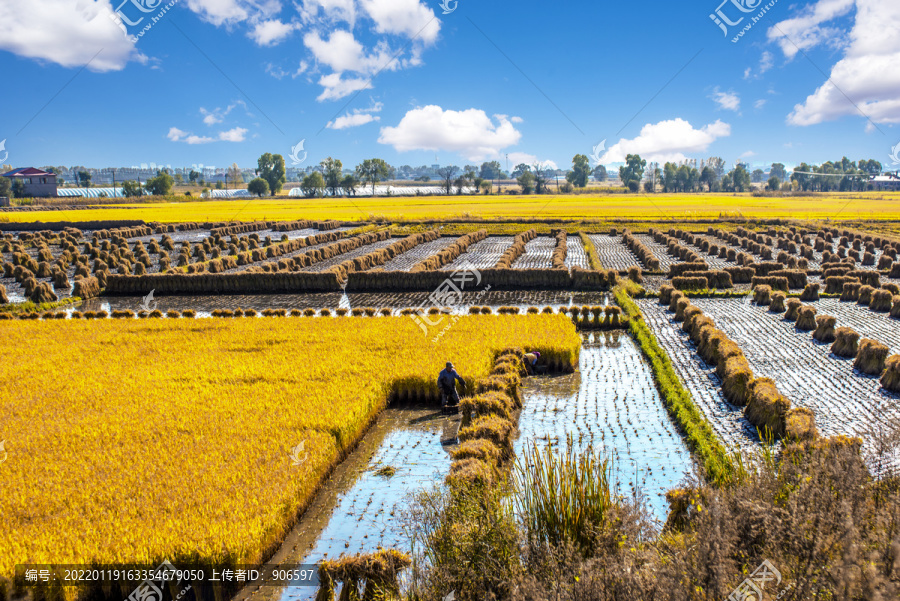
(611, 403)
(700, 379)
(396, 301)
(613, 253)
(845, 401)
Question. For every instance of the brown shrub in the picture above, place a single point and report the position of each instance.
(846, 343)
(871, 357)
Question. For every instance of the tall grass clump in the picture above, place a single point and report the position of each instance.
(564, 496)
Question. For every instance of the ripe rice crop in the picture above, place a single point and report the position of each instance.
(205, 415)
(871, 357)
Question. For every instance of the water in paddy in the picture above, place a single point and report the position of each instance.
(613, 404)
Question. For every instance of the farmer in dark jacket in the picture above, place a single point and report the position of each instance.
(447, 385)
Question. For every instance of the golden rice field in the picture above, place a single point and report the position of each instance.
(143, 440)
(871, 206)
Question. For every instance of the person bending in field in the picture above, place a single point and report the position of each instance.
(447, 385)
(531, 360)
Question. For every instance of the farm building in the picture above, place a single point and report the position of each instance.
(888, 181)
(38, 184)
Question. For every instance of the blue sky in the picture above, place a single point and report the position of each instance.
(222, 81)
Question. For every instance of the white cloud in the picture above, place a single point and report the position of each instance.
(409, 18)
(520, 158)
(353, 120)
(271, 32)
(356, 118)
(237, 134)
(342, 52)
(218, 115)
(806, 30)
(867, 73)
(747, 72)
(176, 134)
(66, 32)
(337, 87)
(766, 62)
(517, 120)
(760, 103)
(747, 155)
(331, 10)
(228, 12)
(667, 141)
(279, 73)
(471, 133)
(727, 101)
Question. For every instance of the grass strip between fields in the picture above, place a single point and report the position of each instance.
(591, 251)
(701, 438)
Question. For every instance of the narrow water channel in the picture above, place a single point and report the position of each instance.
(611, 403)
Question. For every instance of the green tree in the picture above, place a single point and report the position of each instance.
(271, 168)
(670, 177)
(581, 169)
(526, 180)
(159, 185)
(520, 169)
(194, 176)
(313, 185)
(600, 173)
(774, 184)
(5, 187)
(333, 173)
(132, 188)
(632, 171)
(350, 183)
(778, 171)
(234, 174)
(447, 174)
(373, 171)
(258, 186)
(18, 188)
(740, 179)
(490, 170)
(709, 178)
(757, 176)
(84, 179)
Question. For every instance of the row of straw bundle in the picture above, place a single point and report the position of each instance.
(450, 254)
(561, 251)
(644, 254)
(383, 255)
(517, 249)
